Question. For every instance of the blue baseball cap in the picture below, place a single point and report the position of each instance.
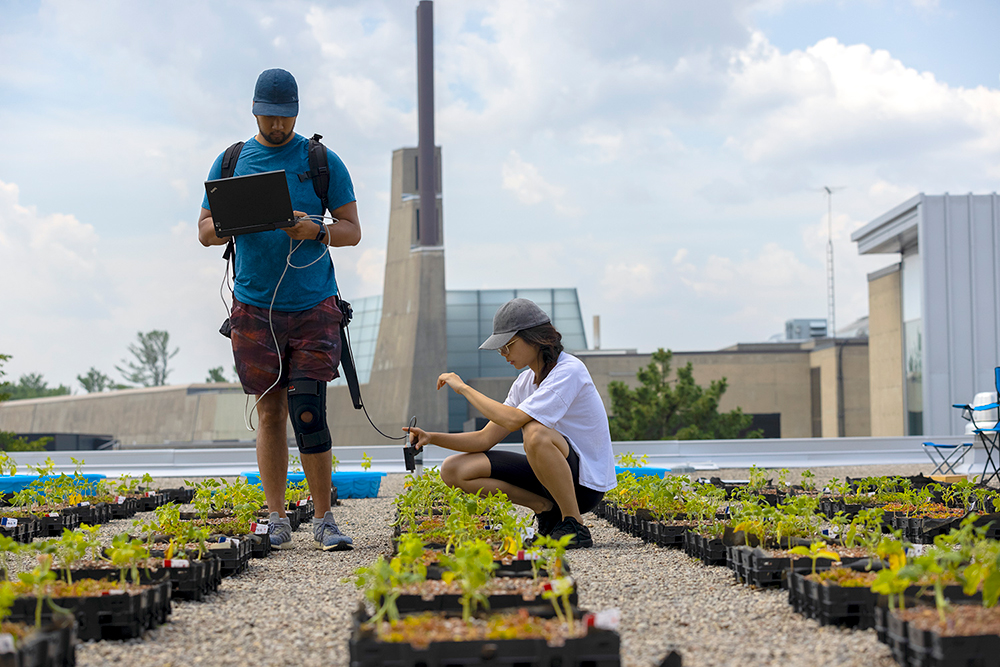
(276, 94)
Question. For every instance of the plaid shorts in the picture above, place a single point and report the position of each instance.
(309, 341)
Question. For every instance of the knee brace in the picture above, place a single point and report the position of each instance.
(307, 409)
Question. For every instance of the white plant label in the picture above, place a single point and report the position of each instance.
(176, 562)
(607, 619)
(8, 523)
(120, 500)
(6, 643)
(85, 503)
(52, 515)
(259, 528)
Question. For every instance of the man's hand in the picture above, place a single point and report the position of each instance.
(452, 380)
(303, 230)
(206, 230)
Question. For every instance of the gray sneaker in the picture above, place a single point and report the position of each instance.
(328, 535)
(279, 531)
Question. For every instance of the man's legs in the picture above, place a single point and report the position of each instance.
(318, 469)
(272, 448)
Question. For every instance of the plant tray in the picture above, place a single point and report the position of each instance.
(124, 508)
(148, 503)
(54, 645)
(832, 605)
(764, 571)
(667, 535)
(53, 523)
(710, 550)
(233, 555)
(515, 568)
(188, 576)
(599, 648)
(23, 531)
(94, 514)
(107, 616)
(180, 496)
(929, 649)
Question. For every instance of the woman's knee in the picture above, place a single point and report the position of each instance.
(460, 468)
(537, 437)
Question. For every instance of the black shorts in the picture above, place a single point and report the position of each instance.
(514, 469)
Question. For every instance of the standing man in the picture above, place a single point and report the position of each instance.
(286, 320)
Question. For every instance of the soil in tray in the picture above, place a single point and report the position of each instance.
(526, 588)
(963, 620)
(420, 630)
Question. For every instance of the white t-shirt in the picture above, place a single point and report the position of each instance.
(567, 401)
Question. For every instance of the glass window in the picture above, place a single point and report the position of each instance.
(462, 297)
(913, 375)
(495, 298)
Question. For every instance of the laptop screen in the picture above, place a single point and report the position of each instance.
(249, 204)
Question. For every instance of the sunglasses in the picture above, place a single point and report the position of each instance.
(504, 350)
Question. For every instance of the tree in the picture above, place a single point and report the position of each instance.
(151, 358)
(4, 358)
(216, 375)
(10, 441)
(31, 385)
(96, 381)
(661, 409)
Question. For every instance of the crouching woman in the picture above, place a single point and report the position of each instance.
(567, 464)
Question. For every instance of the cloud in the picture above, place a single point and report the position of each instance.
(848, 103)
(530, 188)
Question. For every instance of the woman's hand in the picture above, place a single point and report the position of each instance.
(418, 437)
(452, 380)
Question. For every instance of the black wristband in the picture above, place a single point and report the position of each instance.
(322, 232)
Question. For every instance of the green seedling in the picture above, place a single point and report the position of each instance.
(558, 591)
(366, 461)
(630, 460)
(472, 566)
(814, 552)
(809, 481)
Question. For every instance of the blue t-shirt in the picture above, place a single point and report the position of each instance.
(260, 257)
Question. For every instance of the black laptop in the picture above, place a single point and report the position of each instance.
(249, 204)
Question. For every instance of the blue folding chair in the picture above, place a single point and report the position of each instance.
(946, 457)
(989, 434)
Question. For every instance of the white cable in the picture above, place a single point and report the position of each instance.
(270, 309)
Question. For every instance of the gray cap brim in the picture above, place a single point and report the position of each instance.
(496, 341)
(287, 110)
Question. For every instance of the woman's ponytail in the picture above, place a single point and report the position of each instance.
(549, 343)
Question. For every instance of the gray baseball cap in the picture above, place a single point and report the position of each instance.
(515, 315)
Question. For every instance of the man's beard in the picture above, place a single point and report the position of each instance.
(278, 137)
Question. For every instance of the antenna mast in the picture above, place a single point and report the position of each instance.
(830, 301)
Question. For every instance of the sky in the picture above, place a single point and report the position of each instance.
(664, 157)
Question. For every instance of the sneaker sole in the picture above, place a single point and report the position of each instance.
(284, 546)
(340, 546)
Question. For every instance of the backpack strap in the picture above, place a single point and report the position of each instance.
(229, 159)
(319, 171)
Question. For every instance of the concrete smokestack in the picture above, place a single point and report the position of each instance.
(427, 227)
(597, 332)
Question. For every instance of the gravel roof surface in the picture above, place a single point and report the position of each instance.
(293, 609)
